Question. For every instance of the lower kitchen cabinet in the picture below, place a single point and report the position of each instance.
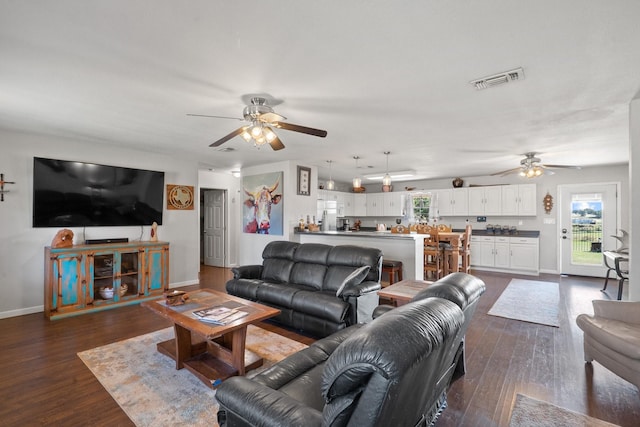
(87, 278)
(508, 253)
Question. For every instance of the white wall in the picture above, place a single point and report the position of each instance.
(634, 205)
(549, 238)
(252, 245)
(22, 246)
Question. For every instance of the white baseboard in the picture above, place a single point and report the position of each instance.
(21, 311)
(185, 283)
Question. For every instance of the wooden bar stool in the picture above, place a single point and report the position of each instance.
(392, 267)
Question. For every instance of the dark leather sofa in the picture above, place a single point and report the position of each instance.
(393, 371)
(302, 281)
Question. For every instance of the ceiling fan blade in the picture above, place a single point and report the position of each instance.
(271, 117)
(276, 144)
(228, 137)
(507, 172)
(560, 166)
(302, 129)
(215, 117)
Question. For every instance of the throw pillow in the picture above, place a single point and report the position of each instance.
(354, 278)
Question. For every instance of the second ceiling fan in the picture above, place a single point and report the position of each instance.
(262, 120)
(531, 167)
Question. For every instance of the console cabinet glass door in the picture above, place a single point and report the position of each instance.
(116, 276)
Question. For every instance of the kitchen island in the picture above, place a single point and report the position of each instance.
(407, 248)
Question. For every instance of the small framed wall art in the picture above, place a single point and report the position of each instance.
(304, 181)
(180, 197)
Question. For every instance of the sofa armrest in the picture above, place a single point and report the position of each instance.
(244, 402)
(623, 311)
(247, 272)
(381, 309)
(360, 289)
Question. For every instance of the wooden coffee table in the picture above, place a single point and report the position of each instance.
(211, 352)
(403, 291)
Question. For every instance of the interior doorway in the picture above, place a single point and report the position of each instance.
(588, 219)
(213, 227)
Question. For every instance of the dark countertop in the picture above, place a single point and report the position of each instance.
(388, 235)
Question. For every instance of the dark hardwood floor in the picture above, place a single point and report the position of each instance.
(43, 382)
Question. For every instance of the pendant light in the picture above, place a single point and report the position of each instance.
(357, 182)
(330, 184)
(386, 180)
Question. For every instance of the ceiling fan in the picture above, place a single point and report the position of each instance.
(530, 167)
(262, 119)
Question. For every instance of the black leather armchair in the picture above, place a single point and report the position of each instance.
(393, 371)
(460, 288)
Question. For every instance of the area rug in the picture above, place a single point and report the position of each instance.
(529, 412)
(152, 392)
(530, 301)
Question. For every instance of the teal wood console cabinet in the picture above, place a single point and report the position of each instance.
(87, 278)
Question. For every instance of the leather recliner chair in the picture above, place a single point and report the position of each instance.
(393, 371)
(460, 288)
(612, 337)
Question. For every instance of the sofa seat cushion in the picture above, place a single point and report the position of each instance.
(320, 304)
(244, 288)
(280, 294)
(619, 336)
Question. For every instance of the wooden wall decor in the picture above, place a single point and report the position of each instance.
(547, 203)
(180, 197)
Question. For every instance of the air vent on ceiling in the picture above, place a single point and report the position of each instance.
(498, 79)
(225, 149)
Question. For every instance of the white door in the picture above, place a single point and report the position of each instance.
(588, 220)
(213, 230)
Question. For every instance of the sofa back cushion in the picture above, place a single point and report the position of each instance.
(391, 371)
(343, 259)
(278, 261)
(310, 265)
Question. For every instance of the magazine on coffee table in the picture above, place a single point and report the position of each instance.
(219, 315)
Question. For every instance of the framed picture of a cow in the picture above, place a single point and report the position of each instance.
(262, 210)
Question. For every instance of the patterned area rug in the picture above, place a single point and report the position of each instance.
(530, 301)
(529, 412)
(152, 392)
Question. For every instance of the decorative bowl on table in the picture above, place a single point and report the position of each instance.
(107, 292)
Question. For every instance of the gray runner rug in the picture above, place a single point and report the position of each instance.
(530, 301)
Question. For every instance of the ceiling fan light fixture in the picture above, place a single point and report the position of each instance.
(269, 134)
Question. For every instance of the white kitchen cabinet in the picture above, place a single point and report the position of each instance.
(519, 200)
(524, 254)
(359, 204)
(349, 208)
(485, 200)
(490, 251)
(393, 204)
(452, 201)
(375, 204)
(505, 253)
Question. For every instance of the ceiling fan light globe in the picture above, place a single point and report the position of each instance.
(268, 133)
(246, 136)
(256, 131)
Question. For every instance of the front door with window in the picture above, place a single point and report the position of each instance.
(588, 220)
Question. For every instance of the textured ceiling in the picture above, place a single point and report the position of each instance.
(377, 75)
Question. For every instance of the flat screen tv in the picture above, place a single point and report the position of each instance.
(76, 194)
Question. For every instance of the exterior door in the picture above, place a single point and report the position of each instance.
(214, 227)
(588, 220)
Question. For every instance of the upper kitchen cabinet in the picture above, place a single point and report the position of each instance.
(393, 204)
(452, 201)
(359, 204)
(485, 200)
(375, 204)
(519, 200)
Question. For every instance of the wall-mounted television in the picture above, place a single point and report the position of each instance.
(76, 194)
